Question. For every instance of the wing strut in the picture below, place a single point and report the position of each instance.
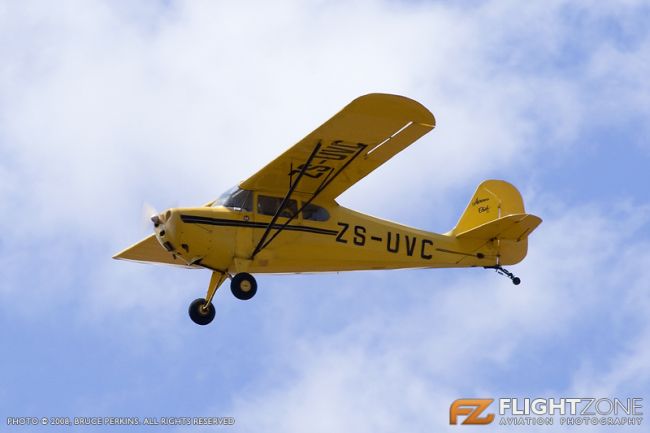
(261, 244)
(330, 176)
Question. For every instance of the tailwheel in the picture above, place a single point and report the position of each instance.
(243, 286)
(201, 312)
(503, 271)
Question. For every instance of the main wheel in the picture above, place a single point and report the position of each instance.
(243, 286)
(516, 281)
(199, 314)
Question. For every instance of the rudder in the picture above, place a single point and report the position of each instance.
(492, 200)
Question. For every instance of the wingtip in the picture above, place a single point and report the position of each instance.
(413, 109)
(120, 255)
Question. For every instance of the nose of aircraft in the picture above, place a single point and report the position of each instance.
(162, 218)
(164, 226)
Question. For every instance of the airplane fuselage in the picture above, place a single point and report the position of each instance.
(224, 239)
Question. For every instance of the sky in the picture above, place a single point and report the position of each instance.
(108, 105)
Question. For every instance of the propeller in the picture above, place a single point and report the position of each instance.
(149, 214)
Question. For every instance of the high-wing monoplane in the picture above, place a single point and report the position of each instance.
(285, 218)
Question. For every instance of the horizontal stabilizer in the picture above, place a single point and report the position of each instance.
(512, 227)
(149, 250)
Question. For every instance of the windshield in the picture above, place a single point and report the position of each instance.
(235, 198)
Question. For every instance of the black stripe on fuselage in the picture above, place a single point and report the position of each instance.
(193, 219)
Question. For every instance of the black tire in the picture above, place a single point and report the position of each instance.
(200, 315)
(243, 286)
(516, 281)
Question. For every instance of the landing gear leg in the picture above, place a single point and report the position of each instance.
(201, 310)
(503, 271)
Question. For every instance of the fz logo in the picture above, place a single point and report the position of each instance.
(471, 408)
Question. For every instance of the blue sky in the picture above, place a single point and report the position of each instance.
(107, 105)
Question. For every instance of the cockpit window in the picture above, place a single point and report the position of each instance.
(236, 198)
(315, 213)
(269, 205)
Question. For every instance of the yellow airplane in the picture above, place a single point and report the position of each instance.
(285, 218)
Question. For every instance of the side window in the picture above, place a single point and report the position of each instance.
(315, 213)
(240, 199)
(269, 205)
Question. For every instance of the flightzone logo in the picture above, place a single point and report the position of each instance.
(547, 411)
(471, 409)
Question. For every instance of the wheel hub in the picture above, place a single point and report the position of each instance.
(245, 286)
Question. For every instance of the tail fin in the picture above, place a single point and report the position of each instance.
(496, 215)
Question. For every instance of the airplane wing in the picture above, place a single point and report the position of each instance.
(149, 250)
(361, 137)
